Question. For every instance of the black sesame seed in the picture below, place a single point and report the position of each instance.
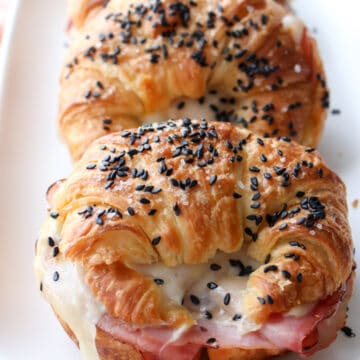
(227, 299)
(215, 267)
(151, 212)
(54, 214)
(194, 299)
(139, 187)
(174, 182)
(335, 112)
(144, 201)
(263, 158)
(286, 274)
(255, 205)
(213, 179)
(261, 300)
(176, 209)
(155, 241)
(237, 317)
(254, 169)
(91, 166)
(283, 226)
(236, 195)
(299, 277)
(159, 281)
(300, 194)
(208, 315)
(301, 221)
(264, 19)
(55, 251)
(180, 105)
(270, 268)
(212, 285)
(348, 331)
(99, 221)
(260, 141)
(56, 276)
(210, 340)
(267, 176)
(269, 299)
(51, 241)
(131, 211)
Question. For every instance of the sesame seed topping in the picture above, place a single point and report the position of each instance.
(155, 241)
(348, 331)
(51, 241)
(56, 276)
(299, 277)
(236, 195)
(144, 201)
(131, 211)
(159, 281)
(227, 299)
(54, 214)
(261, 300)
(176, 209)
(269, 299)
(194, 299)
(283, 226)
(270, 268)
(213, 179)
(210, 340)
(237, 317)
(208, 315)
(286, 274)
(215, 267)
(55, 251)
(212, 285)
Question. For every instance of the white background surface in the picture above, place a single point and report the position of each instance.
(32, 157)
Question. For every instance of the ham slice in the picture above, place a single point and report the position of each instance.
(311, 332)
(304, 335)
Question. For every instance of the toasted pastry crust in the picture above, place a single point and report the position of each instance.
(210, 187)
(255, 57)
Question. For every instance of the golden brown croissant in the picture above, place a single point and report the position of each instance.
(248, 62)
(183, 236)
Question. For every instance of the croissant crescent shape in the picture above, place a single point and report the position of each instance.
(151, 228)
(248, 62)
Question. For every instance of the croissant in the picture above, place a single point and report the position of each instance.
(248, 62)
(189, 237)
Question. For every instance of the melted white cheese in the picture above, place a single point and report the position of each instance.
(192, 109)
(183, 281)
(70, 297)
(300, 310)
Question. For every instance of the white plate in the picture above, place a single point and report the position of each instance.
(32, 157)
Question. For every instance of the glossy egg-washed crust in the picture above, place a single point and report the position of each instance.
(128, 59)
(202, 187)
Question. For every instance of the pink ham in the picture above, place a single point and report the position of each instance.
(312, 332)
(304, 335)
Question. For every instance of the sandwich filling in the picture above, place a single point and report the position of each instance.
(211, 292)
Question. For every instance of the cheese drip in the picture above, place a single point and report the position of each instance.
(69, 296)
(191, 108)
(216, 287)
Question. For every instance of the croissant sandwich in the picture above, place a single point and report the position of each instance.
(248, 62)
(192, 239)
